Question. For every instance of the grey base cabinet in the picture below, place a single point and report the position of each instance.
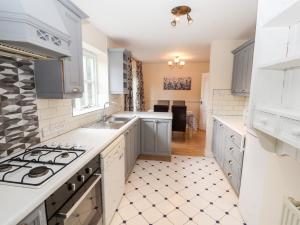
(132, 147)
(228, 150)
(156, 137)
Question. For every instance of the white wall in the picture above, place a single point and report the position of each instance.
(221, 65)
(55, 116)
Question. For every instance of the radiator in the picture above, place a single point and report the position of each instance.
(291, 212)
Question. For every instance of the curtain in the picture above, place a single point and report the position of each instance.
(140, 100)
(128, 99)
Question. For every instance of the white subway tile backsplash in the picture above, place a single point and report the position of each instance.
(224, 103)
(56, 116)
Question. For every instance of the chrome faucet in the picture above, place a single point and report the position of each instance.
(105, 106)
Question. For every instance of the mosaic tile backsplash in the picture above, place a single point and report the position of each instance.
(18, 110)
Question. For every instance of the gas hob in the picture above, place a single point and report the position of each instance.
(35, 166)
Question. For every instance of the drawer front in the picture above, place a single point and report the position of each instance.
(232, 150)
(264, 121)
(234, 137)
(290, 131)
(235, 167)
(233, 176)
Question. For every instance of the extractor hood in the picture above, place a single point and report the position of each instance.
(33, 27)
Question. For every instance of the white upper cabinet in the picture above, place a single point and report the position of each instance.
(274, 100)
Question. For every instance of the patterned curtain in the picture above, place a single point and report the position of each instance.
(140, 100)
(128, 104)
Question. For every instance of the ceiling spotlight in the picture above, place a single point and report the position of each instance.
(173, 23)
(181, 11)
(189, 19)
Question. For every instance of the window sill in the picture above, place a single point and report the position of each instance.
(85, 111)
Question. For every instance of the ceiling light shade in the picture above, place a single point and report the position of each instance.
(177, 62)
(189, 19)
(181, 11)
(173, 23)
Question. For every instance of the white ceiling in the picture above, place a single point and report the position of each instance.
(143, 26)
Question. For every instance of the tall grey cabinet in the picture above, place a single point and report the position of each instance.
(63, 78)
(119, 60)
(242, 69)
(156, 137)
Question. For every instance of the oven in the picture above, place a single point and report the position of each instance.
(78, 201)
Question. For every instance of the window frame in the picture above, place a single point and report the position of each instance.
(96, 54)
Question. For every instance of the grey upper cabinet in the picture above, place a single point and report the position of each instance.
(156, 137)
(242, 69)
(119, 60)
(63, 78)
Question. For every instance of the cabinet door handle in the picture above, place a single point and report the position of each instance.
(229, 174)
(231, 149)
(230, 162)
(76, 90)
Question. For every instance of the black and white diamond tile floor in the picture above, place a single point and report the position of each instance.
(187, 190)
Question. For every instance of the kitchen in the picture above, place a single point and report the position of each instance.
(81, 143)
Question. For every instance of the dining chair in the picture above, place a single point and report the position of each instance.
(179, 102)
(179, 118)
(161, 108)
(163, 102)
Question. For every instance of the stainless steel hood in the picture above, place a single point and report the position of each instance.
(33, 27)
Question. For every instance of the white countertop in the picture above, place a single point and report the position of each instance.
(17, 202)
(236, 123)
(147, 115)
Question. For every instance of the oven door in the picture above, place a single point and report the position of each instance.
(84, 207)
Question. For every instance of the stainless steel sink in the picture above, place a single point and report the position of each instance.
(110, 123)
(118, 119)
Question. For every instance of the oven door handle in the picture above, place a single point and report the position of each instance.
(67, 210)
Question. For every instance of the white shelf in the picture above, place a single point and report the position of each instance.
(283, 112)
(283, 64)
(288, 16)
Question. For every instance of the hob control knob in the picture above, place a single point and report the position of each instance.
(72, 187)
(81, 178)
(89, 170)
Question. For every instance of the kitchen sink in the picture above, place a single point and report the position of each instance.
(110, 123)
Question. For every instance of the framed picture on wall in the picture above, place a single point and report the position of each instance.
(177, 83)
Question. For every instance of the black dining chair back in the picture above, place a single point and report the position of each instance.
(163, 102)
(179, 118)
(179, 102)
(161, 108)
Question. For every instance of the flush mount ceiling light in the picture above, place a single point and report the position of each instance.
(177, 62)
(181, 11)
